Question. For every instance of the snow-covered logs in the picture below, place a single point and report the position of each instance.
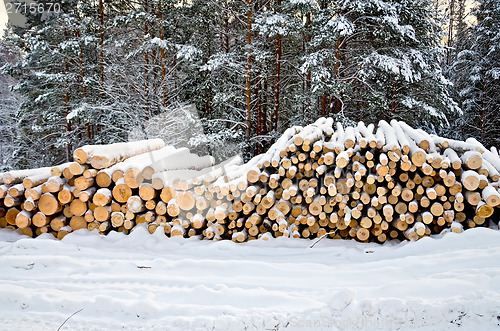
(366, 182)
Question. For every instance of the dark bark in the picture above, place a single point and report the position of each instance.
(275, 117)
(248, 84)
(67, 107)
(101, 46)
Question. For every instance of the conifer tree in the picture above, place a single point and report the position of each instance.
(392, 58)
(477, 75)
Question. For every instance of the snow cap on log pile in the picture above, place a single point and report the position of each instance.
(103, 156)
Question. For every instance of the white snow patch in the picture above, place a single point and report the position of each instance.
(149, 282)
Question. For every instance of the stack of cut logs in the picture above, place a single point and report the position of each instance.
(367, 182)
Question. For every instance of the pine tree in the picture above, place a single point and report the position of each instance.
(69, 99)
(9, 105)
(391, 59)
(477, 72)
(48, 81)
(102, 69)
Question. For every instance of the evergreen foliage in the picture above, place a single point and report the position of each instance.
(98, 70)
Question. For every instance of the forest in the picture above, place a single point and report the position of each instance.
(96, 71)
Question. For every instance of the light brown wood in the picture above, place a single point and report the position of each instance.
(49, 205)
(405, 189)
(167, 193)
(133, 177)
(147, 191)
(77, 169)
(83, 183)
(90, 173)
(77, 207)
(437, 209)
(77, 222)
(65, 196)
(58, 222)
(40, 220)
(23, 219)
(483, 210)
(102, 197)
(470, 180)
(103, 179)
(185, 200)
(121, 192)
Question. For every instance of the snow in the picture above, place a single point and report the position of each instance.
(187, 52)
(341, 25)
(135, 204)
(184, 161)
(37, 178)
(491, 170)
(401, 67)
(11, 176)
(146, 159)
(105, 192)
(490, 191)
(493, 159)
(144, 282)
(208, 174)
(271, 25)
(391, 141)
(401, 136)
(105, 155)
(469, 174)
(55, 180)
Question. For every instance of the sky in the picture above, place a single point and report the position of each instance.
(16, 18)
(3, 15)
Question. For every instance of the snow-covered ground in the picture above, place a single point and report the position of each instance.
(144, 282)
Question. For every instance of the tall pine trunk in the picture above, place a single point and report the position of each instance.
(483, 113)
(146, 69)
(307, 39)
(67, 107)
(337, 103)
(323, 104)
(248, 83)
(82, 80)
(101, 46)
(162, 57)
(275, 117)
(450, 32)
(264, 107)
(226, 30)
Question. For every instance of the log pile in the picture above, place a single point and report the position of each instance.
(367, 182)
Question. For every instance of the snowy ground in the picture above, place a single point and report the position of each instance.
(144, 282)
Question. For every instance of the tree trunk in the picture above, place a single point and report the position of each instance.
(208, 92)
(307, 39)
(323, 104)
(226, 31)
(257, 108)
(67, 107)
(101, 46)
(450, 32)
(277, 84)
(82, 81)
(146, 70)
(162, 57)
(337, 104)
(275, 118)
(248, 85)
(264, 107)
(483, 114)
